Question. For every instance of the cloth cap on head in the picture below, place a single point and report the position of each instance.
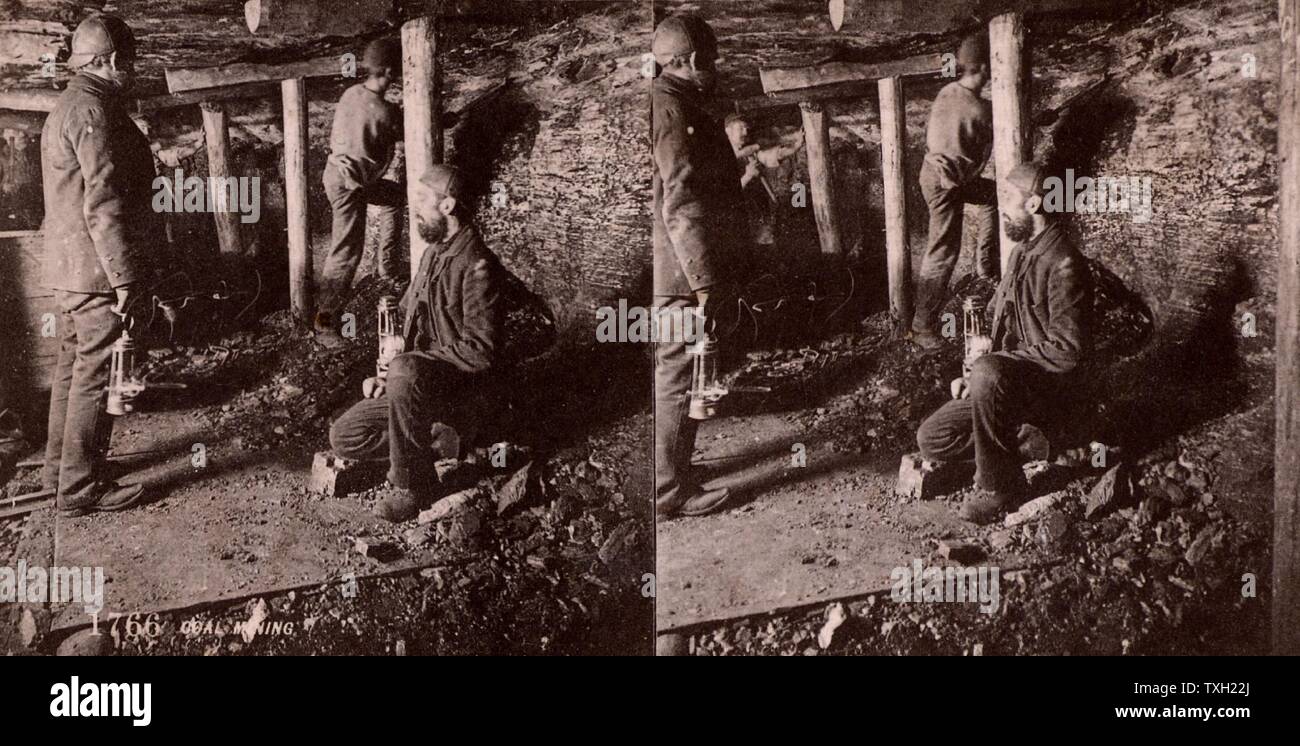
(1028, 178)
(382, 53)
(100, 35)
(974, 50)
(444, 180)
(682, 34)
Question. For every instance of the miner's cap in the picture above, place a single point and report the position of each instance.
(682, 34)
(100, 34)
(974, 50)
(444, 180)
(382, 53)
(1028, 178)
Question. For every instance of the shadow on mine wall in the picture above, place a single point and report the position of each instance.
(1158, 373)
(563, 383)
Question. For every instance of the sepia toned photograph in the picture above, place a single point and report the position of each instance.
(649, 328)
(300, 355)
(989, 294)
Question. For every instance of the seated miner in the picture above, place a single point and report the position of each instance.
(1040, 336)
(366, 129)
(958, 140)
(452, 327)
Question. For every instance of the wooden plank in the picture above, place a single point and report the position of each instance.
(216, 137)
(422, 109)
(1010, 88)
(856, 16)
(22, 509)
(29, 99)
(221, 93)
(777, 79)
(893, 149)
(817, 135)
(833, 92)
(317, 17)
(182, 79)
(29, 122)
(294, 95)
(1286, 472)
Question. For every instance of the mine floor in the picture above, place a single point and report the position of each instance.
(240, 537)
(1178, 566)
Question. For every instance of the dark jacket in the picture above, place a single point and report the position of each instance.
(698, 206)
(1043, 306)
(454, 309)
(98, 175)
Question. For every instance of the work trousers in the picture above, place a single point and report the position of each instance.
(348, 234)
(79, 425)
(398, 426)
(985, 427)
(674, 429)
(947, 207)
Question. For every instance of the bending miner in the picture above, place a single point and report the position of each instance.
(959, 140)
(366, 130)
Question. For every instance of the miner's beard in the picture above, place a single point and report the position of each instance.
(1019, 230)
(433, 231)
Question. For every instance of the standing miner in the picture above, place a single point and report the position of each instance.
(98, 172)
(958, 142)
(1041, 342)
(453, 317)
(367, 128)
(697, 217)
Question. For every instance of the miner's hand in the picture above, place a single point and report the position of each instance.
(960, 388)
(125, 295)
(373, 387)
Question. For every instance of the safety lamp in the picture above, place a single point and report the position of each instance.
(391, 343)
(706, 389)
(977, 339)
(123, 386)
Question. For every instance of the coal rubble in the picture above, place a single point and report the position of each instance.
(542, 550)
(1167, 554)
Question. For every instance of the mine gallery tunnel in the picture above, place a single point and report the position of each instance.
(1157, 493)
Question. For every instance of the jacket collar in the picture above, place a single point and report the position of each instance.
(94, 85)
(678, 88)
(456, 244)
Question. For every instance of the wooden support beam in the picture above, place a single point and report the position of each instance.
(200, 96)
(294, 95)
(1286, 471)
(220, 76)
(1011, 130)
(893, 149)
(22, 121)
(318, 17)
(817, 134)
(857, 16)
(777, 79)
(29, 99)
(27, 42)
(216, 136)
(833, 92)
(422, 110)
